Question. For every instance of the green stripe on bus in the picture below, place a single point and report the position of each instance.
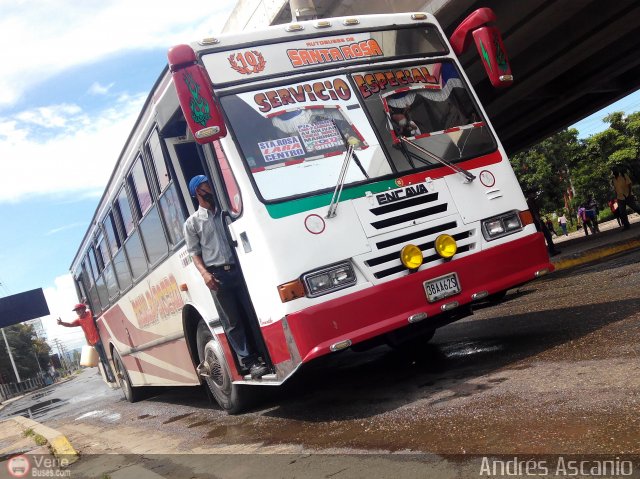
(288, 208)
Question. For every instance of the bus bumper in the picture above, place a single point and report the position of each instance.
(383, 308)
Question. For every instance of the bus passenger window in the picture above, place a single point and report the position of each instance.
(153, 236)
(140, 187)
(122, 270)
(172, 214)
(113, 241)
(124, 210)
(154, 150)
(135, 253)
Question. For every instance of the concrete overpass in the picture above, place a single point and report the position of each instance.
(570, 58)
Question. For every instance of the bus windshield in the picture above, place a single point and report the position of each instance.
(294, 137)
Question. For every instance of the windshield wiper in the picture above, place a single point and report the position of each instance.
(468, 177)
(335, 199)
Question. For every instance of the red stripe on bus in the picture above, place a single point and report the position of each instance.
(276, 342)
(376, 310)
(293, 162)
(479, 162)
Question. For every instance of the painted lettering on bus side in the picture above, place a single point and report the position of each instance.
(397, 195)
(326, 90)
(161, 301)
(300, 57)
(371, 83)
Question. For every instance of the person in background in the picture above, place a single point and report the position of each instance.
(540, 225)
(586, 222)
(562, 221)
(615, 211)
(592, 213)
(622, 186)
(88, 324)
(204, 232)
(550, 227)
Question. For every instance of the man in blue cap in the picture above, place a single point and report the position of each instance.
(204, 232)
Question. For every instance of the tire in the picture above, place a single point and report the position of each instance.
(131, 393)
(229, 396)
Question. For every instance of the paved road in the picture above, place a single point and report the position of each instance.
(553, 368)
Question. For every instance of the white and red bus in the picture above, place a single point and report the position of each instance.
(367, 196)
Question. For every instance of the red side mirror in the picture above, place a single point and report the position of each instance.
(195, 95)
(489, 43)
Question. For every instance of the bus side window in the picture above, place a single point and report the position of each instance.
(94, 301)
(232, 191)
(120, 265)
(172, 212)
(151, 230)
(109, 276)
(96, 265)
(132, 244)
(81, 287)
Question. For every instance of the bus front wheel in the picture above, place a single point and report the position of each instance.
(215, 371)
(131, 393)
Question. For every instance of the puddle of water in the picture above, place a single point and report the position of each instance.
(42, 394)
(114, 417)
(467, 349)
(102, 415)
(39, 409)
(90, 414)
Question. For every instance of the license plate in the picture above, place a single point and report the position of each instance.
(442, 287)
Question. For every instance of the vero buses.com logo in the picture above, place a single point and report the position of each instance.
(18, 466)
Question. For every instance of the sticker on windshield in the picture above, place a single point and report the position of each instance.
(281, 149)
(320, 135)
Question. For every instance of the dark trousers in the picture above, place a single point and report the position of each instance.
(622, 208)
(234, 306)
(104, 360)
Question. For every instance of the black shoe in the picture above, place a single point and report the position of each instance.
(257, 370)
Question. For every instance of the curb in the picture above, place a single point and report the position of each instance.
(596, 254)
(58, 442)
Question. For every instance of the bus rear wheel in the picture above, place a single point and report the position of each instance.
(215, 371)
(131, 393)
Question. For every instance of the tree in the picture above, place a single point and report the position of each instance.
(547, 169)
(25, 347)
(615, 146)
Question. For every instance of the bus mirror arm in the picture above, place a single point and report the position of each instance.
(468, 176)
(479, 26)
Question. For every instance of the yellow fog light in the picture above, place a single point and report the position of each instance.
(411, 256)
(446, 246)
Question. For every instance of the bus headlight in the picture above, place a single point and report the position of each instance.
(329, 279)
(502, 225)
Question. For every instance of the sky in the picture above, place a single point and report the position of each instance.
(74, 77)
(73, 80)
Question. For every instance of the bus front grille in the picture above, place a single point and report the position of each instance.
(384, 261)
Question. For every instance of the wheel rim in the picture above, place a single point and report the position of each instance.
(124, 384)
(218, 377)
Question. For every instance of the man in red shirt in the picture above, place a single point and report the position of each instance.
(87, 323)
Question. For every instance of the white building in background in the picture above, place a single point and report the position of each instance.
(38, 327)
